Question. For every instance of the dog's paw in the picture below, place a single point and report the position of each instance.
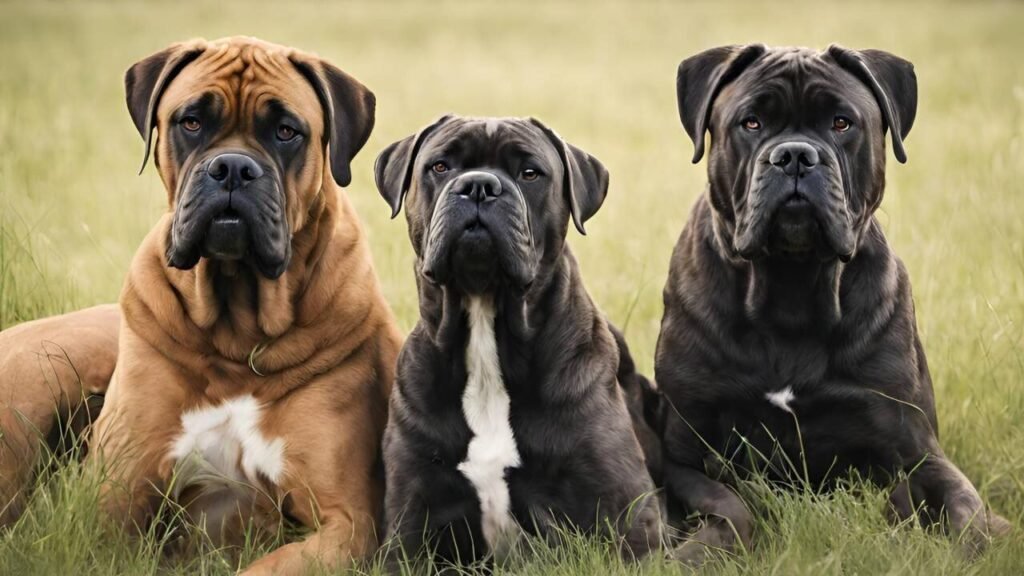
(690, 553)
(998, 526)
(696, 550)
(981, 532)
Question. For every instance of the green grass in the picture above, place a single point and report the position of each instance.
(72, 212)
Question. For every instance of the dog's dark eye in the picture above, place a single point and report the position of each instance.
(191, 123)
(439, 167)
(841, 123)
(529, 174)
(751, 123)
(286, 133)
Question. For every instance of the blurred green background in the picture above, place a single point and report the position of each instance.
(73, 210)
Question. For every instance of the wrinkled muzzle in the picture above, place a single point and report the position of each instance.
(795, 205)
(231, 208)
(479, 236)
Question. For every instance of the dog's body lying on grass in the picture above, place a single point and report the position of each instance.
(53, 375)
(255, 352)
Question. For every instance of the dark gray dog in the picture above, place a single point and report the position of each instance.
(506, 416)
(789, 342)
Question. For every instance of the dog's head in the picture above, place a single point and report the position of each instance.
(247, 135)
(797, 161)
(488, 200)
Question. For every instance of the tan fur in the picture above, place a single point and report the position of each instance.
(317, 347)
(48, 370)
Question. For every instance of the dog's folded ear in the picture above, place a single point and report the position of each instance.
(393, 169)
(146, 81)
(586, 179)
(348, 112)
(699, 80)
(893, 83)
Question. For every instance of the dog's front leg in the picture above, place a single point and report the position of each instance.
(643, 528)
(725, 520)
(331, 482)
(331, 547)
(132, 469)
(939, 488)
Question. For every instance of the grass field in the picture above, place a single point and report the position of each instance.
(73, 210)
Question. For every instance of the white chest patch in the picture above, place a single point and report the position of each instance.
(781, 398)
(485, 404)
(222, 446)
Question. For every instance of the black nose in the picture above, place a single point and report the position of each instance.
(794, 158)
(234, 170)
(478, 186)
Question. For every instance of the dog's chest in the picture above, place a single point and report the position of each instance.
(222, 447)
(796, 418)
(492, 449)
(779, 378)
(781, 398)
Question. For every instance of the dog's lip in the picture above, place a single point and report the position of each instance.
(797, 205)
(796, 199)
(228, 216)
(227, 237)
(474, 225)
(796, 229)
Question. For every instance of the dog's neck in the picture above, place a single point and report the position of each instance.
(519, 315)
(257, 326)
(795, 296)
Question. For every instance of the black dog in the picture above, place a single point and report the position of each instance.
(789, 342)
(506, 416)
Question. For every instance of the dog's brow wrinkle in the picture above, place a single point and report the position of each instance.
(223, 62)
(269, 64)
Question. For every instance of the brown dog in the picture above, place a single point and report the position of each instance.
(52, 374)
(256, 352)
